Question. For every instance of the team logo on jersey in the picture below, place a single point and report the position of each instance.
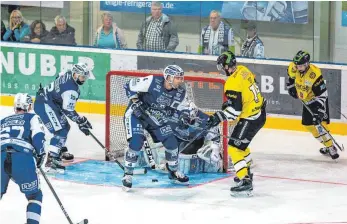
(163, 100)
(312, 75)
(29, 186)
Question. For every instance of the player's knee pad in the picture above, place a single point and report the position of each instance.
(130, 158)
(37, 196)
(170, 143)
(320, 134)
(171, 156)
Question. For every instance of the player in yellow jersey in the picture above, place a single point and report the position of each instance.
(307, 83)
(244, 101)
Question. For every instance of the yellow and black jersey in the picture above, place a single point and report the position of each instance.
(309, 85)
(244, 97)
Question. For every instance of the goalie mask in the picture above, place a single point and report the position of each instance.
(23, 101)
(174, 75)
(80, 73)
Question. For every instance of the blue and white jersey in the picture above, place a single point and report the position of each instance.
(64, 92)
(199, 123)
(23, 132)
(160, 102)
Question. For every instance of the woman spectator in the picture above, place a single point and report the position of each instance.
(37, 32)
(3, 30)
(17, 28)
(109, 35)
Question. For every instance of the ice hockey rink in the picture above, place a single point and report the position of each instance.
(293, 183)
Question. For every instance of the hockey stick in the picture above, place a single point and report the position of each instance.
(332, 138)
(137, 171)
(84, 221)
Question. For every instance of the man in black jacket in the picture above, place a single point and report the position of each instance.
(61, 33)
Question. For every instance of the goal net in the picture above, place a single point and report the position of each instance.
(206, 91)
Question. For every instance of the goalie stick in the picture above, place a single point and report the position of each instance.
(332, 138)
(137, 171)
(84, 221)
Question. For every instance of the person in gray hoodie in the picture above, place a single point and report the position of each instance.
(157, 33)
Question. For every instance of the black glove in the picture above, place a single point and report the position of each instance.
(226, 104)
(40, 159)
(215, 119)
(291, 88)
(184, 120)
(40, 92)
(84, 125)
(139, 109)
(319, 113)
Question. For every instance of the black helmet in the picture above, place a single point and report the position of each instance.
(226, 58)
(302, 57)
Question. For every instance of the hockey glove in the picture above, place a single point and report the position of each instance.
(40, 159)
(291, 88)
(184, 120)
(84, 125)
(226, 104)
(139, 109)
(319, 113)
(215, 119)
(40, 92)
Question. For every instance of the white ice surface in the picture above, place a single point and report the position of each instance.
(293, 184)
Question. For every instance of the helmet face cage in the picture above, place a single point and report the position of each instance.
(301, 58)
(81, 70)
(22, 101)
(174, 71)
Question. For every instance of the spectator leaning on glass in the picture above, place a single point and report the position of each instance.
(37, 32)
(157, 33)
(17, 28)
(109, 35)
(216, 37)
(253, 47)
(61, 33)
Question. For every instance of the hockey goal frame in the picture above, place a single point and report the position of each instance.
(139, 73)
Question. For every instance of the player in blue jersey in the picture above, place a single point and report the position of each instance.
(53, 104)
(22, 150)
(153, 100)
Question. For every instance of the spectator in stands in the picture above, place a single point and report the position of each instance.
(157, 33)
(216, 37)
(3, 29)
(109, 35)
(17, 27)
(61, 33)
(37, 32)
(253, 47)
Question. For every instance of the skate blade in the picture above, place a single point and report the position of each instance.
(53, 171)
(241, 194)
(68, 161)
(180, 183)
(126, 189)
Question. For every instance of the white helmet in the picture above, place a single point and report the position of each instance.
(173, 70)
(22, 101)
(80, 69)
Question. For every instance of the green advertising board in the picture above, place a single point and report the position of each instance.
(23, 69)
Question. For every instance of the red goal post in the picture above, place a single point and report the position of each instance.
(205, 90)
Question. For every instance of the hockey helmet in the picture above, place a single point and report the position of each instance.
(81, 69)
(226, 58)
(173, 70)
(22, 101)
(301, 58)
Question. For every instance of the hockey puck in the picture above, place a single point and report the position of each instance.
(154, 180)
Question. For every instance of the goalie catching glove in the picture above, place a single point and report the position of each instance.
(84, 125)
